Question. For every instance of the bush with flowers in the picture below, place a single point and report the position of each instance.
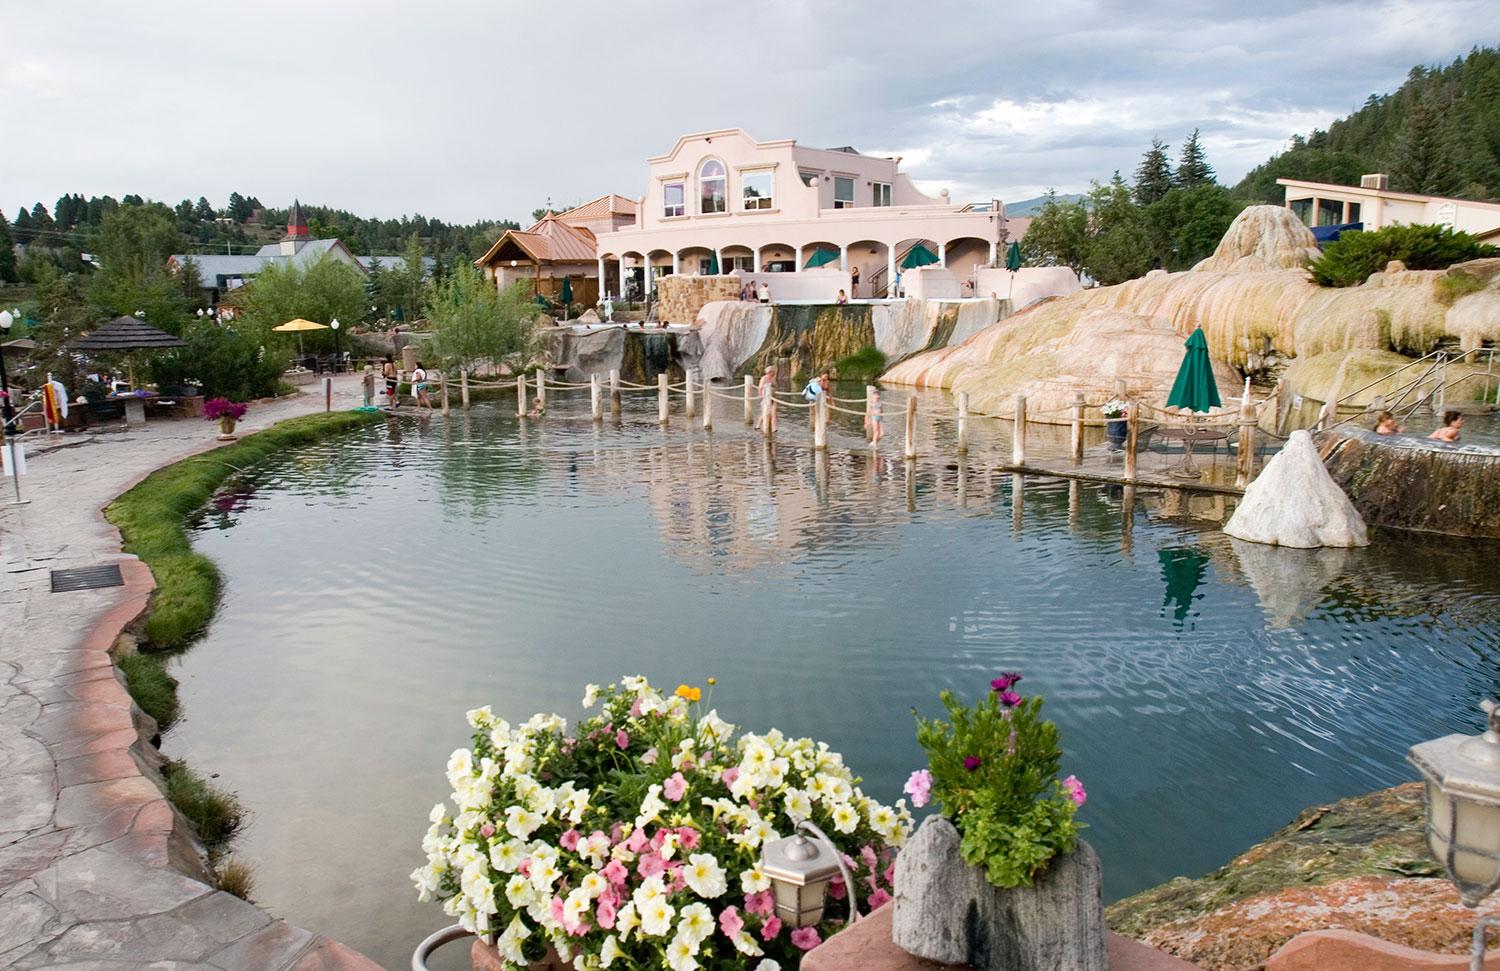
(216, 409)
(993, 771)
(633, 840)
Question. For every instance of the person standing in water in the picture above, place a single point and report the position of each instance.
(767, 391)
(874, 420)
(388, 371)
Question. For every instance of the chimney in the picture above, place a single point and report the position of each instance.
(1379, 181)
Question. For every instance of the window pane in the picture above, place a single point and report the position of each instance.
(711, 169)
(1330, 212)
(757, 189)
(713, 195)
(843, 192)
(1354, 212)
(674, 199)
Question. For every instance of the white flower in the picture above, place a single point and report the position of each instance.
(609, 951)
(438, 815)
(635, 684)
(627, 920)
(480, 717)
(518, 891)
(682, 954)
(716, 728)
(460, 766)
(656, 917)
(768, 965)
(845, 818)
(544, 874)
(650, 891)
(703, 875)
(745, 944)
(797, 804)
(669, 845)
(593, 885)
(510, 941)
(754, 880)
(521, 822)
(695, 921)
(506, 857)
(651, 806)
(882, 820)
(576, 907)
(590, 695)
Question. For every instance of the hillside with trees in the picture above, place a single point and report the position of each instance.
(1439, 133)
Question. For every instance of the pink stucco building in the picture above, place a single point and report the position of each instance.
(722, 199)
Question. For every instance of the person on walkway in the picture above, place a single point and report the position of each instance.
(764, 293)
(419, 386)
(767, 390)
(854, 281)
(747, 292)
(874, 420)
(1452, 422)
(1386, 424)
(843, 298)
(896, 285)
(388, 371)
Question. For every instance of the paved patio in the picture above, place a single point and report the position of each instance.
(97, 869)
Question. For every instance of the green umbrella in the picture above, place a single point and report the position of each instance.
(918, 255)
(821, 257)
(1195, 388)
(1182, 570)
(713, 263)
(1013, 257)
(567, 291)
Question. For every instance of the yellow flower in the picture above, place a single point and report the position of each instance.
(689, 692)
(712, 682)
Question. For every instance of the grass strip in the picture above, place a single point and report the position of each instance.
(214, 812)
(153, 689)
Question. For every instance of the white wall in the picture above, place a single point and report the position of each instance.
(1031, 283)
(821, 285)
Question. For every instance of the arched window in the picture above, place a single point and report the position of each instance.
(713, 189)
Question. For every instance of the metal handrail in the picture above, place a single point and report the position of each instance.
(1388, 376)
(434, 941)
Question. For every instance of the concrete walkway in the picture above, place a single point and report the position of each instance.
(97, 869)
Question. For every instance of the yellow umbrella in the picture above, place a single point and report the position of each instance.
(298, 326)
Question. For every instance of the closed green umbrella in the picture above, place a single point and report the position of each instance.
(821, 257)
(1195, 388)
(918, 255)
(1013, 257)
(567, 291)
(713, 263)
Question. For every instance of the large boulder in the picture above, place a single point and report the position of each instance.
(946, 911)
(1263, 238)
(1295, 502)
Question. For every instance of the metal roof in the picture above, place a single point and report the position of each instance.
(606, 205)
(549, 241)
(126, 334)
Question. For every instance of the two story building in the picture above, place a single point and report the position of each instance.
(1372, 205)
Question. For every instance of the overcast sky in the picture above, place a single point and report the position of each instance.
(469, 110)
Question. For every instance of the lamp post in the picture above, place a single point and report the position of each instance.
(1461, 783)
(7, 410)
(337, 357)
(800, 870)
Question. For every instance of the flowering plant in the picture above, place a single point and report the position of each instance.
(634, 839)
(1114, 409)
(993, 769)
(216, 408)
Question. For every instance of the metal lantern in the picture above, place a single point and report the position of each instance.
(1462, 778)
(800, 870)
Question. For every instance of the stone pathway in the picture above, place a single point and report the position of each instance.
(97, 869)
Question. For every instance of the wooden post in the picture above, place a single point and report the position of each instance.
(596, 402)
(749, 400)
(691, 409)
(820, 421)
(663, 402)
(614, 392)
(1245, 461)
(1076, 444)
(328, 394)
(1018, 436)
(1132, 438)
(443, 389)
(963, 421)
(708, 409)
(541, 386)
(520, 396)
(911, 427)
(765, 413)
(463, 387)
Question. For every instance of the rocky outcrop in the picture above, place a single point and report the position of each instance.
(1295, 502)
(681, 295)
(1263, 238)
(1360, 864)
(1411, 482)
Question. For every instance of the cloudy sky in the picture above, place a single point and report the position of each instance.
(469, 110)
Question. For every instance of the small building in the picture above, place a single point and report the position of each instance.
(222, 273)
(1372, 205)
(560, 245)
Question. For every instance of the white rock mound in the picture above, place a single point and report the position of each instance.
(1295, 502)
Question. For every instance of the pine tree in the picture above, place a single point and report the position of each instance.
(203, 212)
(40, 219)
(1423, 157)
(1154, 177)
(7, 253)
(1193, 168)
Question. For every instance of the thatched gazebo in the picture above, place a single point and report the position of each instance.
(126, 335)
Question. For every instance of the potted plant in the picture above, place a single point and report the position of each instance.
(226, 413)
(634, 838)
(1116, 426)
(998, 878)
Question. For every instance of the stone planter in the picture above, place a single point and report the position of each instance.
(946, 911)
(226, 429)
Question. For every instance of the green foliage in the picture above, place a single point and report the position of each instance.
(1013, 814)
(1186, 225)
(325, 289)
(865, 364)
(1058, 235)
(215, 813)
(1119, 247)
(153, 689)
(1456, 283)
(64, 313)
(471, 322)
(1425, 156)
(1193, 169)
(222, 360)
(1153, 179)
(1351, 259)
(7, 253)
(132, 245)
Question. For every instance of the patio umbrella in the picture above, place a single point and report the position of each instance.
(918, 255)
(566, 296)
(821, 257)
(126, 335)
(1195, 388)
(1013, 264)
(713, 263)
(297, 326)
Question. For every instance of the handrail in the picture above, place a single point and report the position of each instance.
(1388, 375)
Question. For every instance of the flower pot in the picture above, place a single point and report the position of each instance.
(946, 911)
(226, 429)
(485, 957)
(1115, 431)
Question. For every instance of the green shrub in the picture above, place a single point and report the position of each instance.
(153, 689)
(1350, 260)
(223, 362)
(865, 364)
(214, 812)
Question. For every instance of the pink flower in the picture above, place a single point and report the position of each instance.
(635, 709)
(487, 830)
(651, 865)
(581, 928)
(1009, 699)
(890, 875)
(569, 840)
(622, 738)
(605, 910)
(525, 868)
(675, 787)
(614, 832)
(836, 888)
(556, 906)
(806, 938)
(1075, 790)
(614, 871)
(679, 882)
(771, 929)
(731, 923)
(1005, 682)
(688, 837)
(919, 787)
(729, 775)
(972, 762)
(637, 841)
(648, 757)
(867, 853)
(761, 904)
(877, 899)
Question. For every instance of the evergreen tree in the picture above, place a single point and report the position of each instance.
(1193, 168)
(1424, 159)
(239, 207)
(7, 253)
(23, 222)
(203, 212)
(1153, 179)
(40, 219)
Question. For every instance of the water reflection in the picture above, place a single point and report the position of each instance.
(379, 586)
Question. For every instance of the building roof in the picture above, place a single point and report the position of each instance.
(1387, 193)
(387, 262)
(606, 205)
(125, 334)
(296, 223)
(550, 241)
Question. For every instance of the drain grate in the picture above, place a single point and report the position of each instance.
(86, 578)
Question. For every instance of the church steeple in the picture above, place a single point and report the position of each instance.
(296, 223)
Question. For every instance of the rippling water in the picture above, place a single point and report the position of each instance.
(379, 585)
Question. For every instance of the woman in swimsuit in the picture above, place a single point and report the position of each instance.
(768, 397)
(388, 371)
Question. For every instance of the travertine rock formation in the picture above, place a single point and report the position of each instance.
(1295, 502)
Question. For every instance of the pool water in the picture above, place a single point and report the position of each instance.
(380, 584)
